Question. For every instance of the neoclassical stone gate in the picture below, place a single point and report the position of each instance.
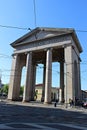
(46, 45)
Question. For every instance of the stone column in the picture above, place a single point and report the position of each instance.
(15, 77)
(76, 80)
(43, 87)
(61, 99)
(79, 82)
(60, 95)
(27, 87)
(69, 73)
(48, 80)
(33, 78)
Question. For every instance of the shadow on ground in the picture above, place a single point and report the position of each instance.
(36, 114)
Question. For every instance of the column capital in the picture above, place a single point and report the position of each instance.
(67, 45)
(46, 49)
(14, 55)
(62, 61)
(29, 52)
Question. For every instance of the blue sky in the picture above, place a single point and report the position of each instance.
(49, 13)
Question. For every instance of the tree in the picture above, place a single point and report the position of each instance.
(5, 89)
(21, 90)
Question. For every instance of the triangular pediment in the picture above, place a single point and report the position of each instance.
(40, 33)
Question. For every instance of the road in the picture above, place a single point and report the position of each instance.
(35, 116)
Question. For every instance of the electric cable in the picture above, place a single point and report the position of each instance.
(14, 27)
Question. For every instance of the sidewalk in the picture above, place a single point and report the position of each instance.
(39, 104)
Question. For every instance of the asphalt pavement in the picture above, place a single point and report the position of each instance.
(35, 116)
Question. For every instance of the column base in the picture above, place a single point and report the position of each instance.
(47, 103)
(42, 99)
(15, 99)
(25, 101)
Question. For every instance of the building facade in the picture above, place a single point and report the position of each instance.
(39, 97)
(84, 94)
(46, 45)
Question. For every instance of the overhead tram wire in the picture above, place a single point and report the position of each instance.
(22, 28)
(34, 4)
(5, 56)
(82, 31)
(14, 27)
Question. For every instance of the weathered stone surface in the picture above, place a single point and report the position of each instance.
(47, 45)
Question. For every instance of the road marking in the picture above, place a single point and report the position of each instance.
(4, 126)
(36, 126)
(42, 126)
(73, 126)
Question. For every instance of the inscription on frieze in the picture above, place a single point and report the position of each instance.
(50, 41)
(39, 44)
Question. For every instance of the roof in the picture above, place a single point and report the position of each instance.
(59, 31)
(41, 85)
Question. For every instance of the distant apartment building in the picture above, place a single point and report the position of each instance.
(39, 91)
(84, 94)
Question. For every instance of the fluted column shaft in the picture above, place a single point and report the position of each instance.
(48, 80)
(61, 97)
(15, 78)
(27, 88)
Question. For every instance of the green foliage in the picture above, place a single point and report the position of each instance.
(0, 90)
(21, 90)
(4, 89)
(35, 94)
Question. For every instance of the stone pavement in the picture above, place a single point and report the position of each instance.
(18, 115)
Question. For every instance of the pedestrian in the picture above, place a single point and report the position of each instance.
(70, 102)
(55, 104)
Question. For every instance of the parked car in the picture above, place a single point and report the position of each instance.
(84, 102)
